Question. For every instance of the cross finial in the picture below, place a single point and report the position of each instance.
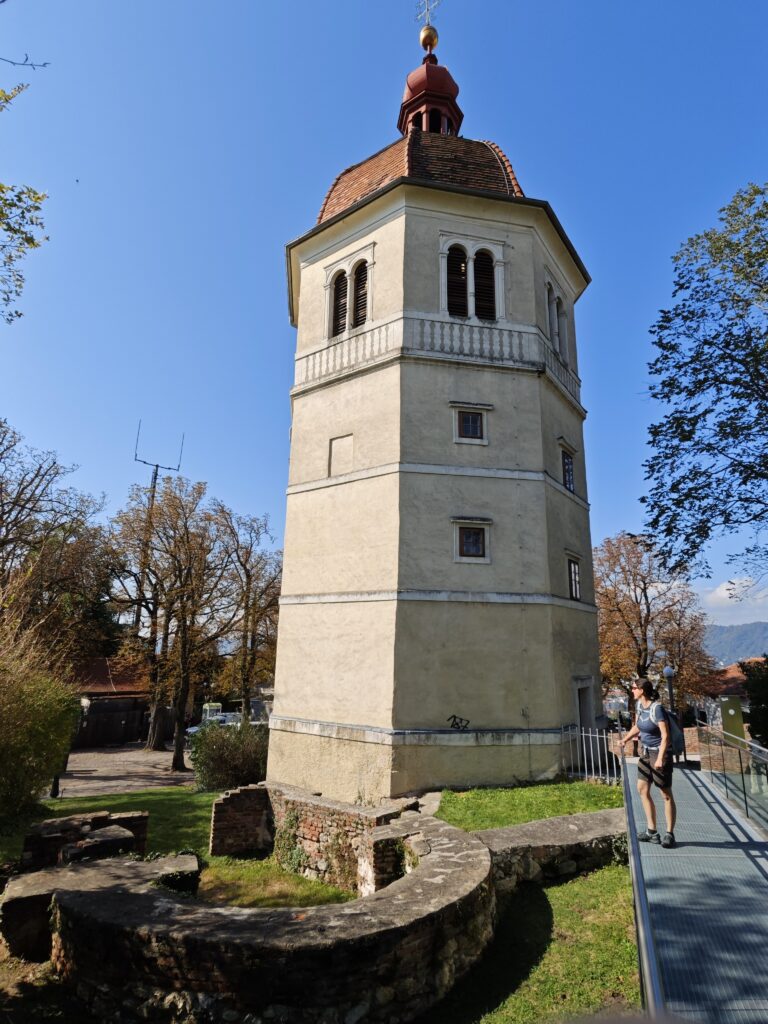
(424, 9)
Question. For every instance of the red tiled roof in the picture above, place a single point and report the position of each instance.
(101, 677)
(424, 157)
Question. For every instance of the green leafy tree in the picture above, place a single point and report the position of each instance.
(709, 468)
(39, 712)
(756, 674)
(21, 229)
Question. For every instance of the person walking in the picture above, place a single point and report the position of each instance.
(655, 764)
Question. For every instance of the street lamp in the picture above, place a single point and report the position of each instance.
(669, 675)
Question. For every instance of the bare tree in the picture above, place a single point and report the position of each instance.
(52, 555)
(256, 576)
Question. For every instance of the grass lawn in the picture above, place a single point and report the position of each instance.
(263, 883)
(559, 953)
(493, 808)
(179, 818)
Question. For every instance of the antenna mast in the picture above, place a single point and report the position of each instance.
(144, 565)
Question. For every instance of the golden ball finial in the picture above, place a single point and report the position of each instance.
(428, 37)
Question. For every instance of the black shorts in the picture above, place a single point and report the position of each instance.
(661, 777)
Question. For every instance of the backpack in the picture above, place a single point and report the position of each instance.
(676, 736)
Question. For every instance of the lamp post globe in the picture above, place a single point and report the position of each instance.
(669, 674)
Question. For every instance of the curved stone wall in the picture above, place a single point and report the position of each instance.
(385, 957)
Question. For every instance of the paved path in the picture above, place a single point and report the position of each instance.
(709, 906)
(120, 770)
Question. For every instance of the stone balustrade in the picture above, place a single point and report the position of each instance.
(473, 342)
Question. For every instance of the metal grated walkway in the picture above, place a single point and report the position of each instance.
(709, 906)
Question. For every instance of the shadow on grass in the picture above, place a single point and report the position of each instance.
(523, 935)
(31, 994)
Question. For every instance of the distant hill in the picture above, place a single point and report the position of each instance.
(728, 644)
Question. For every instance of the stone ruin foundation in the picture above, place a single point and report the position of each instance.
(136, 951)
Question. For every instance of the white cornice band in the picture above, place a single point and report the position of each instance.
(416, 737)
(435, 470)
(462, 596)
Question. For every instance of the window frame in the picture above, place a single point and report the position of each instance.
(347, 264)
(483, 251)
(573, 563)
(568, 470)
(457, 408)
(558, 319)
(472, 523)
(472, 244)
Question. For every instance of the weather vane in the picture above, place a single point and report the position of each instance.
(424, 9)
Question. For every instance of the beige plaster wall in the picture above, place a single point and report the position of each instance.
(366, 406)
(335, 662)
(418, 768)
(560, 418)
(339, 769)
(359, 772)
(480, 661)
(568, 530)
(431, 214)
(515, 440)
(381, 224)
(575, 653)
(343, 538)
(518, 539)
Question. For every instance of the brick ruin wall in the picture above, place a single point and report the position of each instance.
(317, 838)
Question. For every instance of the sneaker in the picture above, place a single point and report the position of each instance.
(668, 841)
(650, 837)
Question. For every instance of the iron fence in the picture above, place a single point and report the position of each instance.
(590, 754)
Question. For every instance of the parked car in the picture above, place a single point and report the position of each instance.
(225, 718)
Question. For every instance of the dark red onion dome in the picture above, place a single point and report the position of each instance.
(429, 100)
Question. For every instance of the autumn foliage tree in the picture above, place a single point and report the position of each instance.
(648, 617)
(206, 588)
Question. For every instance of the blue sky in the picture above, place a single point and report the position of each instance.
(182, 144)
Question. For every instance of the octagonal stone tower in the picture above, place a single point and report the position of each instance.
(437, 623)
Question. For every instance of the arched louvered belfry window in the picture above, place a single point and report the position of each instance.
(562, 331)
(339, 324)
(457, 281)
(552, 314)
(360, 295)
(485, 290)
(435, 121)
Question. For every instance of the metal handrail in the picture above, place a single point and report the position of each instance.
(754, 748)
(650, 972)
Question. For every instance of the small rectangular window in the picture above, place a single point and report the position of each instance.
(568, 471)
(574, 580)
(471, 542)
(471, 539)
(471, 424)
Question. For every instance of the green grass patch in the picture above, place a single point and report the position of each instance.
(179, 818)
(559, 953)
(495, 808)
(263, 883)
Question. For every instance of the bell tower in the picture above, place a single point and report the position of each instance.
(437, 623)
